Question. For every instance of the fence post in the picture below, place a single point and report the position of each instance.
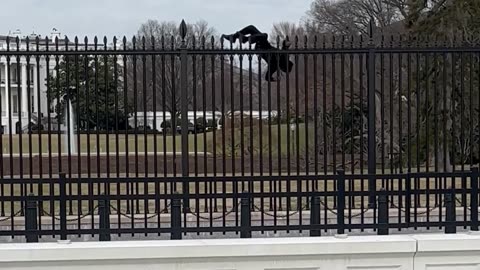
(372, 162)
(176, 219)
(315, 215)
(383, 213)
(450, 212)
(408, 199)
(184, 112)
(31, 219)
(63, 206)
(245, 219)
(104, 218)
(341, 202)
(474, 199)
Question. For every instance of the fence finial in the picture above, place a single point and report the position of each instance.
(183, 29)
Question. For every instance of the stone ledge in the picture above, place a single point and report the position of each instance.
(206, 248)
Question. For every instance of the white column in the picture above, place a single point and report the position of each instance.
(35, 89)
(24, 92)
(43, 89)
(7, 91)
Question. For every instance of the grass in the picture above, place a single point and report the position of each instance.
(142, 142)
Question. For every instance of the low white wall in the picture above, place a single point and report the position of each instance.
(363, 252)
(452, 251)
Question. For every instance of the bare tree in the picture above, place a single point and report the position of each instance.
(284, 30)
(154, 80)
(350, 17)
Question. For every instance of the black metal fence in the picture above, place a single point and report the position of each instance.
(273, 204)
(176, 134)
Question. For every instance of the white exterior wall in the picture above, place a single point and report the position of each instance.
(400, 252)
(377, 253)
(445, 252)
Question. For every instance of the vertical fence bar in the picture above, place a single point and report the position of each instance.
(214, 120)
(29, 110)
(408, 199)
(97, 117)
(450, 217)
(135, 189)
(104, 218)
(382, 214)
(341, 202)
(86, 63)
(245, 231)
(107, 85)
(18, 126)
(474, 199)
(145, 135)
(49, 125)
(68, 100)
(279, 125)
(204, 121)
(8, 88)
(436, 81)
(315, 216)
(126, 113)
(63, 206)
(371, 119)
(31, 219)
(76, 78)
(176, 219)
(184, 112)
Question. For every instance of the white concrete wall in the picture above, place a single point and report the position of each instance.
(445, 252)
(354, 253)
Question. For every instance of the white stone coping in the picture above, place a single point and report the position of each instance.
(419, 248)
(191, 249)
(447, 242)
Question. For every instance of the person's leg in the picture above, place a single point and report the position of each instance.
(285, 64)
(252, 31)
(249, 30)
(272, 68)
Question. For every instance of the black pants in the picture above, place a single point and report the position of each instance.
(252, 34)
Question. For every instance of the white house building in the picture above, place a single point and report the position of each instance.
(152, 119)
(21, 81)
(161, 116)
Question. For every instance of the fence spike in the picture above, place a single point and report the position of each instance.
(183, 30)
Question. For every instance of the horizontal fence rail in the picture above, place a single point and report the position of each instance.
(188, 135)
(241, 205)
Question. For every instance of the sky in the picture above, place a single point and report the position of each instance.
(124, 17)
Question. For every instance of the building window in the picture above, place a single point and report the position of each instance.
(15, 103)
(14, 75)
(31, 76)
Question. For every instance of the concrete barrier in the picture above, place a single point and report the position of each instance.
(400, 252)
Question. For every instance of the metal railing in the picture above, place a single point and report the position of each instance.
(383, 109)
(241, 205)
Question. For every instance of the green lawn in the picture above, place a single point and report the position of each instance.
(168, 143)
